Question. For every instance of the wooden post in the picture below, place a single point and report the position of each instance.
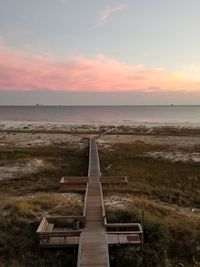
(142, 218)
(142, 224)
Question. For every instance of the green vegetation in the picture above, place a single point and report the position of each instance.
(121, 129)
(26, 198)
(19, 220)
(173, 237)
(165, 191)
(63, 159)
(174, 182)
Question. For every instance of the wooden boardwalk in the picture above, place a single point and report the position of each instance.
(94, 234)
(94, 165)
(93, 246)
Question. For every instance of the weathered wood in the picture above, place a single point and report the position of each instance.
(114, 179)
(93, 247)
(102, 204)
(50, 236)
(114, 183)
(74, 179)
(94, 166)
(60, 233)
(85, 201)
(136, 226)
(59, 238)
(93, 240)
(123, 239)
(66, 241)
(73, 184)
(43, 226)
(64, 219)
(50, 227)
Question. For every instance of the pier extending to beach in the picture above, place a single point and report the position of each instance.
(93, 247)
(90, 233)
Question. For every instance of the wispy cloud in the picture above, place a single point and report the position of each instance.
(107, 12)
(24, 71)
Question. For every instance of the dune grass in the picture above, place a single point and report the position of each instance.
(166, 191)
(19, 220)
(174, 182)
(63, 161)
(162, 189)
(170, 240)
(25, 199)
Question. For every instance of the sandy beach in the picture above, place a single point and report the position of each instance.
(39, 136)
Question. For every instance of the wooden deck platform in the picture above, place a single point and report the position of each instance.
(116, 239)
(51, 236)
(114, 183)
(73, 184)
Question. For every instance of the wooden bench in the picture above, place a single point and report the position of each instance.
(45, 226)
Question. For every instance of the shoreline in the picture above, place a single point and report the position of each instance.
(97, 127)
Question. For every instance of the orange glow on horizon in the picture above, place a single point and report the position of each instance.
(22, 71)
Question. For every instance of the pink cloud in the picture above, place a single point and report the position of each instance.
(23, 71)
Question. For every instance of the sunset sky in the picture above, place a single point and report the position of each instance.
(99, 52)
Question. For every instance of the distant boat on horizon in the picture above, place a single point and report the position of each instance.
(38, 105)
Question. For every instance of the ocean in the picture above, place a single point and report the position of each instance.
(102, 115)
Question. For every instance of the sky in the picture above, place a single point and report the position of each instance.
(73, 52)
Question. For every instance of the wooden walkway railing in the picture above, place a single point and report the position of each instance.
(94, 165)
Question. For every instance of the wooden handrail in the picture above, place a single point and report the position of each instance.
(102, 202)
(120, 227)
(60, 233)
(74, 179)
(98, 157)
(85, 201)
(113, 177)
(79, 251)
(122, 224)
(113, 182)
(124, 232)
(80, 217)
(90, 154)
(89, 157)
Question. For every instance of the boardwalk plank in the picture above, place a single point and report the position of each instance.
(93, 250)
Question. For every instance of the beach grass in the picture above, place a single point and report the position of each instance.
(173, 182)
(26, 198)
(166, 192)
(63, 160)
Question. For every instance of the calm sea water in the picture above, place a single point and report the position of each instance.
(127, 115)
